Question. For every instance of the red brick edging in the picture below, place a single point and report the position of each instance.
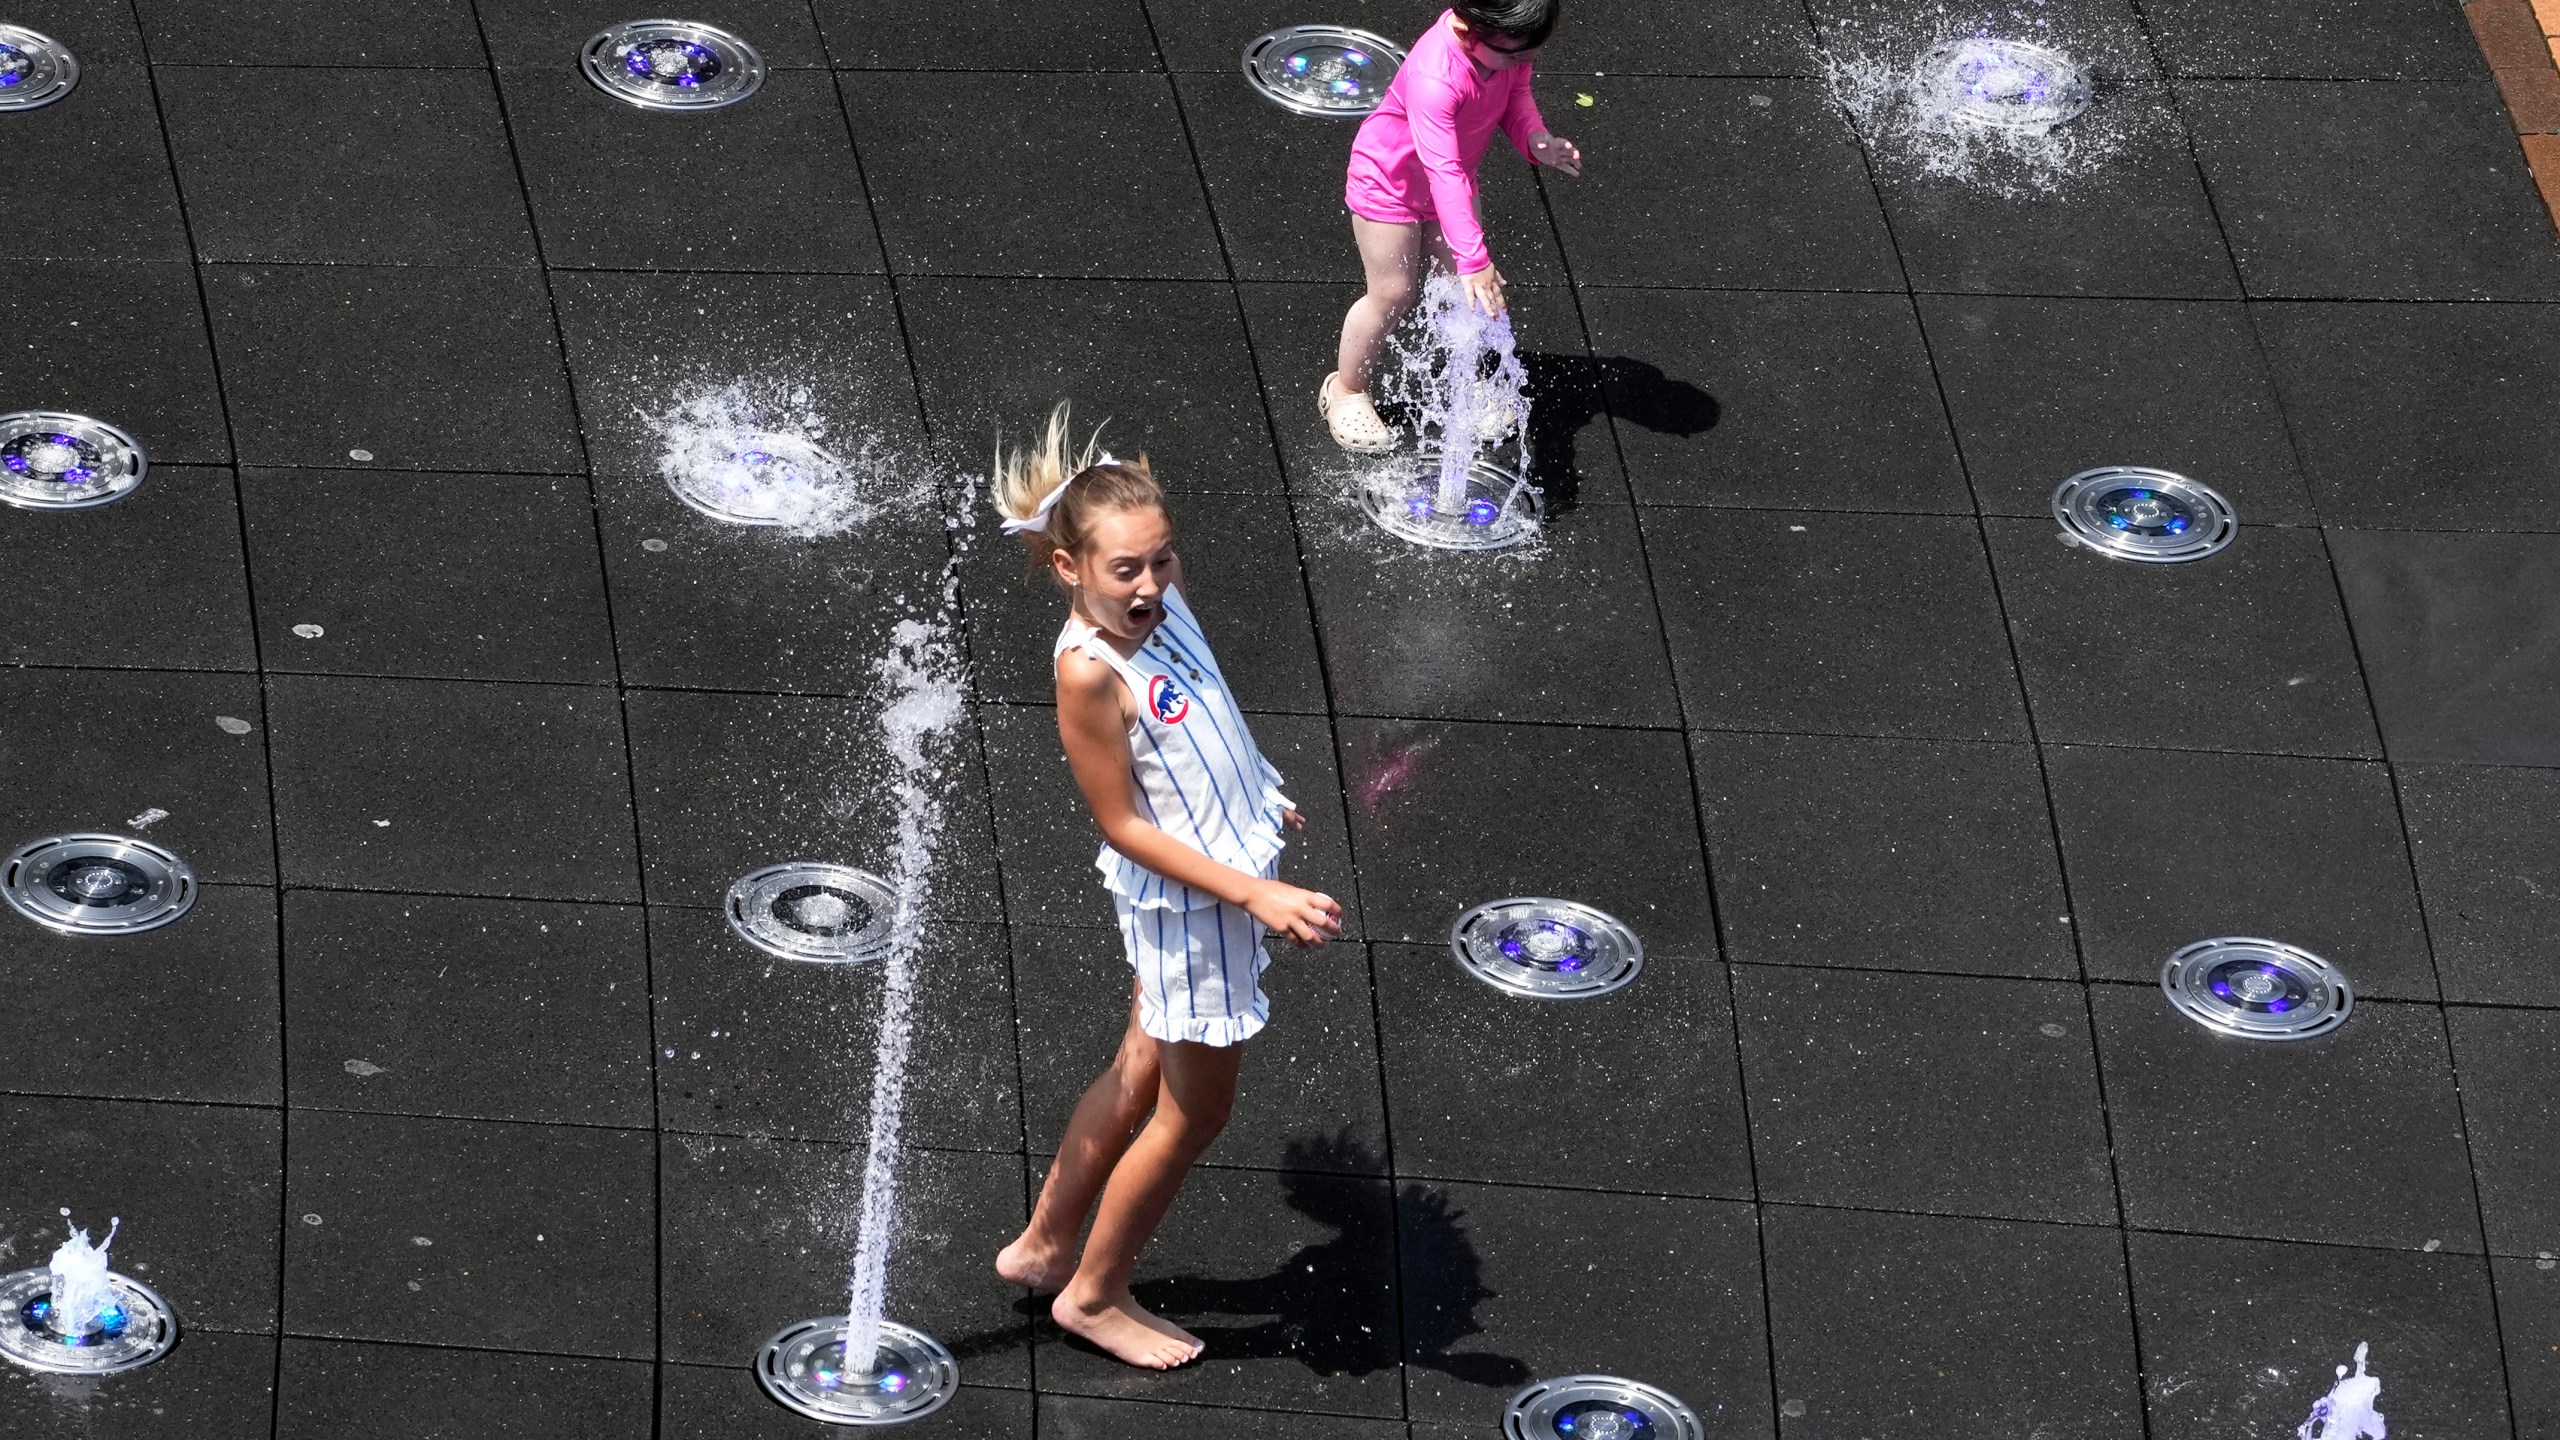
(2522, 40)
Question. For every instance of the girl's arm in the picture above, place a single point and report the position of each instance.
(1431, 114)
(1096, 731)
(1520, 118)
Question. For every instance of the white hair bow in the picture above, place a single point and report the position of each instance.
(1037, 522)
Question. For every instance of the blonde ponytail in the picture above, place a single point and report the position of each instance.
(1050, 494)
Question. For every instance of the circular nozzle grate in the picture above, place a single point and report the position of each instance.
(1322, 69)
(138, 1329)
(810, 910)
(1599, 1407)
(2006, 84)
(1500, 509)
(803, 1367)
(2257, 989)
(55, 460)
(672, 65)
(2133, 512)
(767, 479)
(97, 884)
(1546, 949)
(35, 70)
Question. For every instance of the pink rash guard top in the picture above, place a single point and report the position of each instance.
(1415, 157)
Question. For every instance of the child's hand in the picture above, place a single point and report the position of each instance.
(1292, 820)
(1484, 289)
(1306, 917)
(1556, 152)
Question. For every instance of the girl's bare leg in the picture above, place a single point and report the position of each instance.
(1198, 1090)
(1104, 1123)
(1391, 259)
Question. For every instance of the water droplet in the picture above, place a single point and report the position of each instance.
(1792, 1409)
(364, 1067)
(309, 632)
(653, 545)
(359, 454)
(420, 1240)
(307, 1219)
(232, 725)
(2050, 1028)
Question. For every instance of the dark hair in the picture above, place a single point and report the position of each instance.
(1528, 23)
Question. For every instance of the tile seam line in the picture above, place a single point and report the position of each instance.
(266, 726)
(1325, 678)
(630, 767)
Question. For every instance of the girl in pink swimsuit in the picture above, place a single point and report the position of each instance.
(1413, 183)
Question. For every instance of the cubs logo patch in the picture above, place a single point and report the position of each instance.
(1167, 700)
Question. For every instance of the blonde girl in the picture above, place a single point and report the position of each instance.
(1192, 819)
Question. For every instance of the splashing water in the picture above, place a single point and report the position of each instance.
(2346, 1412)
(81, 1297)
(923, 674)
(1462, 378)
(761, 458)
(1993, 112)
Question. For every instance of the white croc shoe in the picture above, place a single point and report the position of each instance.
(1354, 421)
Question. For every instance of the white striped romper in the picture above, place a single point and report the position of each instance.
(1197, 776)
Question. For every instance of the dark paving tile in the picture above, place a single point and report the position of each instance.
(420, 368)
(950, 205)
(465, 577)
(2460, 642)
(2358, 40)
(2241, 1337)
(750, 1044)
(1409, 631)
(2407, 192)
(196, 1187)
(383, 167)
(99, 32)
(2173, 384)
(106, 148)
(430, 785)
(1275, 181)
(474, 1009)
(1290, 1279)
(1804, 621)
(1489, 1086)
(1309, 1099)
(818, 613)
(2139, 225)
(533, 34)
(1881, 1322)
(2509, 1061)
(1068, 1417)
(760, 1233)
(1968, 1096)
(1295, 331)
(2245, 650)
(2307, 851)
(1446, 816)
(767, 185)
(2529, 1321)
(1734, 398)
(1211, 37)
(2422, 416)
(467, 1232)
(2380, 1088)
(330, 1388)
(1504, 1285)
(184, 1012)
(218, 1387)
(124, 342)
(2104, 36)
(2483, 839)
(1793, 208)
(310, 32)
(701, 1402)
(169, 551)
(1240, 567)
(115, 747)
(822, 347)
(1047, 839)
(1636, 37)
(994, 355)
(732, 783)
(987, 35)
(1883, 854)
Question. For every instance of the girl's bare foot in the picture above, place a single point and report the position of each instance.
(1033, 1265)
(1127, 1330)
